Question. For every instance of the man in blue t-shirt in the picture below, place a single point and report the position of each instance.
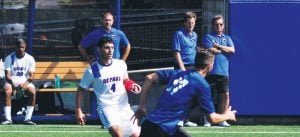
(222, 46)
(122, 45)
(185, 90)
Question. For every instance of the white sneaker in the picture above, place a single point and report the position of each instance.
(206, 123)
(180, 123)
(190, 124)
(6, 122)
(224, 124)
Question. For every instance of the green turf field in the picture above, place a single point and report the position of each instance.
(97, 131)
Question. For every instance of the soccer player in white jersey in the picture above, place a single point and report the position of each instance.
(19, 69)
(109, 79)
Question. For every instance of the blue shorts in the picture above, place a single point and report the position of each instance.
(218, 83)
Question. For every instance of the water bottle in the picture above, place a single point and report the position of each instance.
(57, 81)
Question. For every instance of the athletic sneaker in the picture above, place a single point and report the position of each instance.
(180, 123)
(224, 124)
(29, 122)
(190, 124)
(6, 122)
(206, 123)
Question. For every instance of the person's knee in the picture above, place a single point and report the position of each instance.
(115, 131)
(135, 135)
(8, 90)
(31, 91)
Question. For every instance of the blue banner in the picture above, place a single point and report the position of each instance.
(265, 71)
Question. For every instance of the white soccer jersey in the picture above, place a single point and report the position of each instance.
(107, 83)
(19, 67)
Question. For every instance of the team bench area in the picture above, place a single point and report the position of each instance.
(68, 71)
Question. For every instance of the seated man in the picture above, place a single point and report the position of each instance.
(19, 69)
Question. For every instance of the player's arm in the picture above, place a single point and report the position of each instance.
(178, 59)
(141, 111)
(84, 54)
(217, 118)
(125, 52)
(8, 78)
(29, 80)
(229, 50)
(209, 43)
(79, 114)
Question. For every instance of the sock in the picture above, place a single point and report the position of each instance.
(7, 112)
(29, 112)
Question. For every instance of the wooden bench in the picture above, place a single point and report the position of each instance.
(66, 70)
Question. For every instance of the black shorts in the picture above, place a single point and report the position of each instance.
(218, 83)
(150, 129)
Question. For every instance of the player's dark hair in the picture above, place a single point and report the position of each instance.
(189, 15)
(20, 41)
(215, 18)
(103, 40)
(105, 13)
(203, 58)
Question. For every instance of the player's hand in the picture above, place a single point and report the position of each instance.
(231, 113)
(80, 118)
(139, 115)
(216, 45)
(132, 86)
(136, 89)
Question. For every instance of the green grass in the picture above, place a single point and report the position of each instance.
(97, 131)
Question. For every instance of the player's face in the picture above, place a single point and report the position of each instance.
(190, 24)
(108, 21)
(219, 26)
(20, 50)
(107, 51)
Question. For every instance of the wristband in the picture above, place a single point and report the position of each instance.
(129, 85)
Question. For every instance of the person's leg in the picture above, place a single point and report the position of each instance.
(150, 129)
(223, 90)
(111, 120)
(224, 102)
(115, 131)
(130, 127)
(213, 81)
(31, 92)
(7, 107)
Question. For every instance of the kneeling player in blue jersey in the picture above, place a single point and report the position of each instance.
(185, 91)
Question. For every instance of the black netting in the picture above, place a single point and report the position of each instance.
(150, 33)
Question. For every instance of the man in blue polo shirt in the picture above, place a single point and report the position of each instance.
(222, 46)
(184, 49)
(122, 45)
(184, 43)
(185, 91)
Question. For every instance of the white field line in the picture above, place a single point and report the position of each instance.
(53, 131)
(191, 132)
(245, 132)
